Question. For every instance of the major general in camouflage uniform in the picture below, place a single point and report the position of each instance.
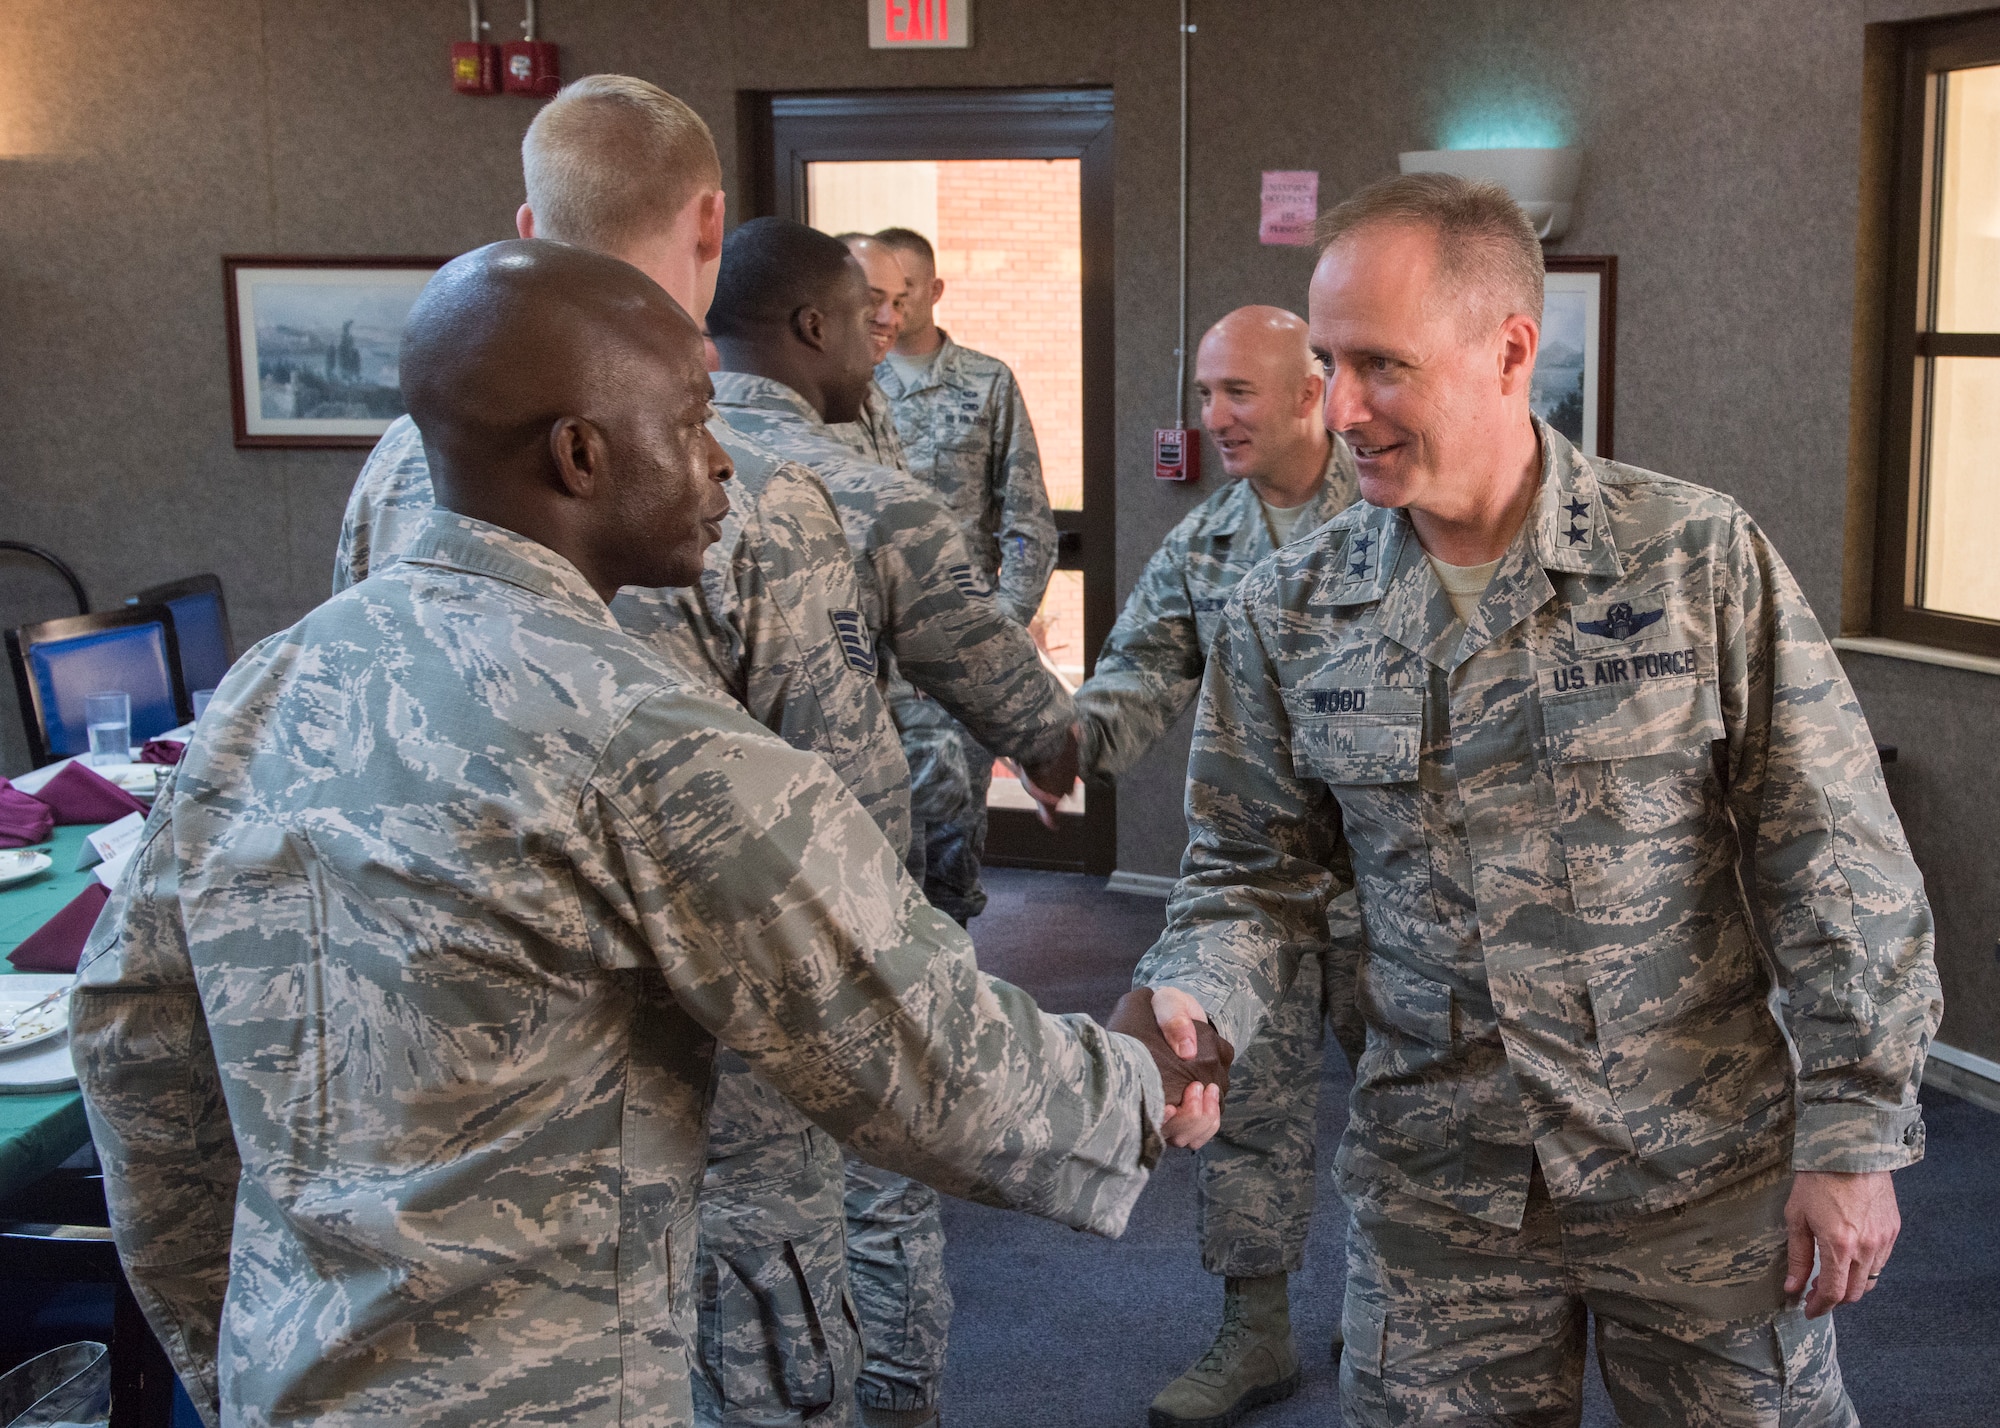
(967, 438)
(1593, 811)
(396, 1038)
(776, 624)
(789, 320)
(1257, 1181)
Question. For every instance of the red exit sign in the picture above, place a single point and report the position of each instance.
(919, 24)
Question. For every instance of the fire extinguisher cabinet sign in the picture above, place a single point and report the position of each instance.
(919, 24)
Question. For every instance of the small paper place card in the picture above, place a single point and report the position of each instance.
(112, 843)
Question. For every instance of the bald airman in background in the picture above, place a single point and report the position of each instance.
(1261, 392)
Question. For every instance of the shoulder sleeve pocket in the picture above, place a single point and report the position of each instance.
(1359, 735)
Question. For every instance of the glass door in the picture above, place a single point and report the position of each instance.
(1008, 187)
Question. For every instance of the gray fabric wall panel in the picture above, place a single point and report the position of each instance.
(138, 143)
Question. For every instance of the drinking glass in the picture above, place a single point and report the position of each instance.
(109, 719)
(201, 698)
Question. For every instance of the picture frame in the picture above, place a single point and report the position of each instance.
(1573, 393)
(319, 333)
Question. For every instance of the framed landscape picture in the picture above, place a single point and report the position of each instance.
(313, 346)
(1572, 388)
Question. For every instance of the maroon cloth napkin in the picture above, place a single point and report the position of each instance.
(80, 794)
(162, 751)
(23, 819)
(58, 944)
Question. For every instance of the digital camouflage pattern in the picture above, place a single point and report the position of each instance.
(438, 925)
(895, 1270)
(779, 1339)
(389, 505)
(1693, 1324)
(951, 773)
(775, 625)
(921, 592)
(872, 436)
(967, 438)
(1257, 1181)
(1150, 668)
(1547, 808)
(940, 631)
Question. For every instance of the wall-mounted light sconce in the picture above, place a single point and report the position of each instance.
(1542, 181)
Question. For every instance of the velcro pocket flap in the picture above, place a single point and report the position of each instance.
(1359, 735)
(1623, 721)
(1394, 996)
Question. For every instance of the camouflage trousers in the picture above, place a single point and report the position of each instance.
(950, 775)
(1450, 1320)
(1256, 1181)
(895, 1267)
(779, 1342)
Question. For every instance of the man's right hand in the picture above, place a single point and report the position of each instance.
(1195, 1082)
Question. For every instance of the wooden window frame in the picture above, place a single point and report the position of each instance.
(1927, 49)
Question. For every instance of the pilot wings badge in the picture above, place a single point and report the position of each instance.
(1621, 621)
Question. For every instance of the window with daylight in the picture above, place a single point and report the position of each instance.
(1937, 581)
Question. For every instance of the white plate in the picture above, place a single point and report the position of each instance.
(17, 865)
(52, 1020)
(46, 1068)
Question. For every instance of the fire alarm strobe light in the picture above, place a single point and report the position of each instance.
(529, 65)
(475, 64)
(1176, 454)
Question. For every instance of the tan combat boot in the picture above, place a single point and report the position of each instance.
(1251, 1363)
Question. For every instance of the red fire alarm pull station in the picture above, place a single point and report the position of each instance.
(529, 65)
(475, 64)
(1176, 454)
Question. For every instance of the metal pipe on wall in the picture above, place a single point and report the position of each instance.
(1180, 345)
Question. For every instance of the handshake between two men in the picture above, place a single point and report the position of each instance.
(1192, 1058)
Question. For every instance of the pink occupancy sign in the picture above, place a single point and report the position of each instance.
(1291, 203)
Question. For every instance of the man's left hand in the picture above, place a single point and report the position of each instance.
(1853, 1221)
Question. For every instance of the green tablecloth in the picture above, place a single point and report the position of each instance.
(39, 1132)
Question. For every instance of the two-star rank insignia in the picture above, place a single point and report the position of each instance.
(1579, 531)
(855, 645)
(1359, 548)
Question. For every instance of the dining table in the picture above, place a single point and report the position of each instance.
(39, 1130)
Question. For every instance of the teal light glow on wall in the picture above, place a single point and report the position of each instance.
(1509, 121)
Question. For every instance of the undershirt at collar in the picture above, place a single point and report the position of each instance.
(1287, 523)
(912, 371)
(1463, 584)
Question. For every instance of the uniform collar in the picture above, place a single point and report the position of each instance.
(454, 542)
(1339, 488)
(943, 371)
(747, 392)
(1567, 532)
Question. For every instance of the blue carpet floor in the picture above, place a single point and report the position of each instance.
(1063, 1330)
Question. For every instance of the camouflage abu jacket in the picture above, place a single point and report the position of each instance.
(1547, 811)
(396, 1037)
(1150, 667)
(968, 439)
(775, 624)
(873, 437)
(920, 591)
